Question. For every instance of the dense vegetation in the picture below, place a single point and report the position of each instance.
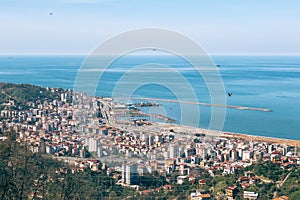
(23, 93)
(269, 170)
(291, 187)
(151, 181)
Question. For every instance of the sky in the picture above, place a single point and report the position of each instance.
(221, 27)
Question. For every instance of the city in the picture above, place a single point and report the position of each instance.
(85, 132)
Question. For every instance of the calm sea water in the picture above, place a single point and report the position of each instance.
(255, 81)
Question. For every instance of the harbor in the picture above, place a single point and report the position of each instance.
(196, 103)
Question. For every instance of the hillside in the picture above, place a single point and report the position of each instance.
(23, 93)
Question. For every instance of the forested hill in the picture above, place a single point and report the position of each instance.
(23, 93)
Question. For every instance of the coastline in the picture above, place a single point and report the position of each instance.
(214, 133)
(261, 138)
(229, 135)
(208, 132)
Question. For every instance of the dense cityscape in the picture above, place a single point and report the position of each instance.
(149, 100)
(87, 133)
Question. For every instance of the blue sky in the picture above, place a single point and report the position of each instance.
(78, 26)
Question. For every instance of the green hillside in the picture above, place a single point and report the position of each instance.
(23, 93)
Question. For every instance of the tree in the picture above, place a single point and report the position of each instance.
(112, 195)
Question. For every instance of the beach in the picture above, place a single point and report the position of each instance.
(229, 135)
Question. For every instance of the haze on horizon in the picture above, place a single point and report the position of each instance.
(78, 26)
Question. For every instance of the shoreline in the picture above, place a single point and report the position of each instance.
(259, 138)
(214, 133)
(229, 135)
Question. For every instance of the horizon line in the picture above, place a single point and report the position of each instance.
(86, 54)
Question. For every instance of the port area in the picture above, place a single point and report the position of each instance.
(131, 114)
(196, 103)
(145, 104)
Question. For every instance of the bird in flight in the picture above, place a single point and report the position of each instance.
(230, 94)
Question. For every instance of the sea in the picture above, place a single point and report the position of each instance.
(271, 82)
